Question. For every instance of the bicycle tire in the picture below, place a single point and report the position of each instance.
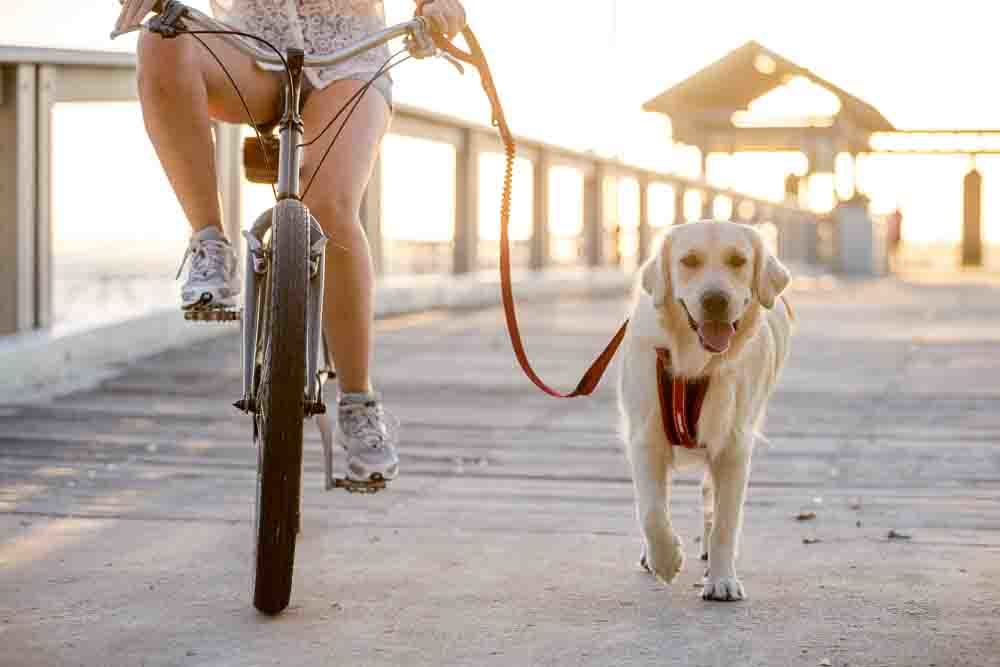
(279, 412)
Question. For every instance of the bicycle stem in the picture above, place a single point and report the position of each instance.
(291, 130)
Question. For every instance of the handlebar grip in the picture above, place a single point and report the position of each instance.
(445, 44)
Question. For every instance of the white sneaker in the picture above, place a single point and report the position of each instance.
(370, 443)
(213, 279)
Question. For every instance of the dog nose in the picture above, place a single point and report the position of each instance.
(715, 305)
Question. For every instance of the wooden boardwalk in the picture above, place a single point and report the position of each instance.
(510, 538)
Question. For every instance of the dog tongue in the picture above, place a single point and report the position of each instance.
(716, 335)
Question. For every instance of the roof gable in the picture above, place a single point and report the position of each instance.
(731, 83)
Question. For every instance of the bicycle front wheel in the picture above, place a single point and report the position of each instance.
(279, 413)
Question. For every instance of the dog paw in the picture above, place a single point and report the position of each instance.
(723, 589)
(664, 561)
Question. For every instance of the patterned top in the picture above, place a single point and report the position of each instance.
(318, 27)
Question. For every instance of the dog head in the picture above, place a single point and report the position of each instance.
(715, 272)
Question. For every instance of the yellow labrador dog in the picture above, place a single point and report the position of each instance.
(707, 305)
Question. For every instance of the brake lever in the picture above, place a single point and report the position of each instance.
(418, 42)
(157, 8)
(167, 23)
(118, 33)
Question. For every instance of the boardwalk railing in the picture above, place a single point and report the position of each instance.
(32, 80)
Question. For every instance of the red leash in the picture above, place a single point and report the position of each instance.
(680, 400)
(592, 377)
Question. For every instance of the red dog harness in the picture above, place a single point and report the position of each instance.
(680, 402)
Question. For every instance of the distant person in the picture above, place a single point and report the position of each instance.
(894, 235)
(792, 188)
(182, 89)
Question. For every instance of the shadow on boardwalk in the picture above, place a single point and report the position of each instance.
(510, 538)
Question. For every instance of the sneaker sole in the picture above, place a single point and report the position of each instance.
(356, 474)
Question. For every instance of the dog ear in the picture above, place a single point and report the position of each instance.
(770, 277)
(655, 278)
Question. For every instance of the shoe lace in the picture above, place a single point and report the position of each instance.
(208, 258)
(368, 423)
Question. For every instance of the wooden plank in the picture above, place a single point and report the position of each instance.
(408, 124)
(85, 83)
(46, 56)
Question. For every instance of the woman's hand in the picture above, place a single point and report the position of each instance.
(448, 16)
(133, 12)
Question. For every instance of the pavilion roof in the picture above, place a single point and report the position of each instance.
(745, 74)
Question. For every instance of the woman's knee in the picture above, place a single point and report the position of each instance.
(165, 66)
(337, 212)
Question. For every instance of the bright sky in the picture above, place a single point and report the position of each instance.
(576, 71)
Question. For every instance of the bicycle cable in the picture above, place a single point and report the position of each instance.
(359, 94)
(245, 35)
(379, 72)
(355, 98)
(246, 107)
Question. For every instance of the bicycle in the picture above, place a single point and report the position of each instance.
(282, 382)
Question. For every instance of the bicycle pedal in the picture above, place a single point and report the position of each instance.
(352, 486)
(213, 314)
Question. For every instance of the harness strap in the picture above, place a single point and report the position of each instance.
(592, 377)
(680, 402)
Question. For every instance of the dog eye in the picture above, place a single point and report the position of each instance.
(736, 261)
(691, 261)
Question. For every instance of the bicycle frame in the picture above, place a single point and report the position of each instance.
(290, 138)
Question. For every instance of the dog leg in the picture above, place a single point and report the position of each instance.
(729, 480)
(708, 512)
(663, 554)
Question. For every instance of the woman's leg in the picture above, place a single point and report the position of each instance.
(181, 89)
(335, 200)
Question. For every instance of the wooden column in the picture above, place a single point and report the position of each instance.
(466, 240)
(706, 195)
(593, 216)
(371, 217)
(540, 233)
(48, 92)
(708, 205)
(229, 174)
(679, 217)
(645, 229)
(972, 219)
(18, 203)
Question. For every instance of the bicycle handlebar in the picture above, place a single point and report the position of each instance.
(418, 29)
